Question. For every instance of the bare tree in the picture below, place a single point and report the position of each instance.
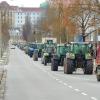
(4, 29)
(27, 29)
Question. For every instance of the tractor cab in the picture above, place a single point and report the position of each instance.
(79, 56)
(59, 55)
(49, 49)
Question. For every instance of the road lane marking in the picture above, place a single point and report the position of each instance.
(65, 84)
(93, 98)
(83, 93)
(57, 79)
(77, 90)
(85, 79)
(70, 86)
(60, 81)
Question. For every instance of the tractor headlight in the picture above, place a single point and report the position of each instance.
(70, 55)
(88, 56)
(46, 54)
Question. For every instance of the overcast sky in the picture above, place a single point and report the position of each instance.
(25, 3)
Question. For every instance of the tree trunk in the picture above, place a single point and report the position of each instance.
(83, 38)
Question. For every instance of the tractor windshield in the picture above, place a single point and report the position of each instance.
(50, 49)
(76, 48)
(61, 50)
(33, 46)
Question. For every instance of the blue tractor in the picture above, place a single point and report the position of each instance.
(32, 47)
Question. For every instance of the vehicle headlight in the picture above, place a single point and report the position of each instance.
(46, 54)
(70, 55)
(88, 56)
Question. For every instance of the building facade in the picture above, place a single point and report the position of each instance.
(17, 16)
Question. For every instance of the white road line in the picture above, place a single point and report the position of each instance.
(77, 90)
(93, 98)
(65, 84)
(83, 93)
(70, 86)
(57, 79)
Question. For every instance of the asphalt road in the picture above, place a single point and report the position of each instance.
(29, 80)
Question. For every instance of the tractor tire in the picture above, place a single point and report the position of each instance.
(45, 62)
(68, 66)
(98, 77)
(54, 65)
(89, 67)
(42, 62)
(35, 59)
(62, 61)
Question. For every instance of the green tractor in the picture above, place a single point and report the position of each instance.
(40, 46)
(48, 51)
(37, 52)
(58, 57)
(78, 56)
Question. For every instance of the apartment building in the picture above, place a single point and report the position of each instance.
(17, 17)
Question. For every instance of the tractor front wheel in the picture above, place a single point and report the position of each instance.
(68, 66)
(89, 67)
(54, 65)
(98, 77)
(45, 61)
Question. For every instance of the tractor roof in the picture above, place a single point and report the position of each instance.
(79, 42)
(60, 44)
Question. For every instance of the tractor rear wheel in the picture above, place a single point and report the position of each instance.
(54, 65)
(98, 77)
(45, 61)
(62, 61)
(68, 66)
(89, 67)
(35, 58)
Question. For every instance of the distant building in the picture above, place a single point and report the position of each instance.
(22, 12)
(17, 16)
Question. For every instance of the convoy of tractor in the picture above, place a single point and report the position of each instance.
(78, 56)
(71, 55)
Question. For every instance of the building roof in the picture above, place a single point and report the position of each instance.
(4, 5)
(30, 9)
